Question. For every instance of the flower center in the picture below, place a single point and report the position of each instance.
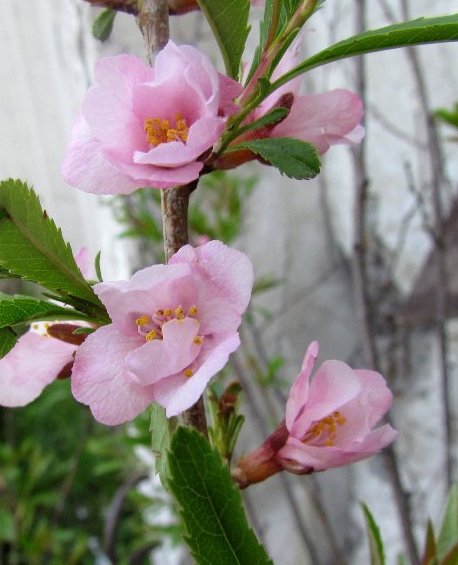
(324, 432)
(161, 131)
(150, 326)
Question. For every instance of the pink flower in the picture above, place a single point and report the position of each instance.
(173, 328)
(330, 422)
(143, 126)
(33, 363)
(41, 355)
(321, 119)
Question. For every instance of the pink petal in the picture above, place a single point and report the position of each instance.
(84, 261)
(178, 393)
(297, 455)
(32, 364)
(333, 385)
(86, 167)
(322, 119)
(225, 272)
(162, 358)
(108, 106)
(297, 399)
(364, 411)
(229, 91)
(149, 290)
(202, 135)
(100, 379)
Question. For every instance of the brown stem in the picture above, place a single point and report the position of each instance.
(153, 21)
(363, 297)
(175, 7)
(441, 306)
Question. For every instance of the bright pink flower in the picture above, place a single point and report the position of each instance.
(330, 422)
(33, 363)
(173, 328)
(143, 126)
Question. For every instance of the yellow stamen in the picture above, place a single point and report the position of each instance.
(151, 335)
(179, 312)
(142, 321)
(198, 340)
(192, 311)
(159, 131)
(188, 373)
(168, 312)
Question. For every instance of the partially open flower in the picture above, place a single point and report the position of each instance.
(143, 126)
(329, 422)
(173, 328)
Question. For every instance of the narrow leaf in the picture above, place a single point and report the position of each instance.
(19, 309)
(210, 505)
(32, 247)
(7, 341)
(271, 118)
(416, 32)
(448, 535)
(375, 539)
(103, 24)
(229, 22)
(161, 435)
(292, 157)
(430, 551)
(452, 556)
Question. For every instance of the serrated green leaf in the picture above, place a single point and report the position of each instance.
(216, 528)
(229, 22)
(32, 247)
(7, 341)
(448, 535)
(415, 32)
(375, 540)
(292, 157)
(103, 24)
(19, 309)
(161, 434)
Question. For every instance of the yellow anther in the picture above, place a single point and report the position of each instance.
(168, 312)
(329, 443)
(159, 131)
(179, 312)
(188, 373)
(192, 311)
(151, 335)
(142, 321)
(198, 340)
(35, 326)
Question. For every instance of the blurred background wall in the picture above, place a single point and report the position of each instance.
(302, 233)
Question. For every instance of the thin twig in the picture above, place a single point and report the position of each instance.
(153, 21)
(363, 298)
(438, 183)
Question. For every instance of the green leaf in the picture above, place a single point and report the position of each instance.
(452, 556)
(103, 24)
(229, 22)
(268, 119)
(32, 247)
(7, 341)
(415, 32)
(161, 434)
(449, 117)
(216, 528)
(375, 539)
(430, 551)
(448, 535)
(292, 157)
(19, 309)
